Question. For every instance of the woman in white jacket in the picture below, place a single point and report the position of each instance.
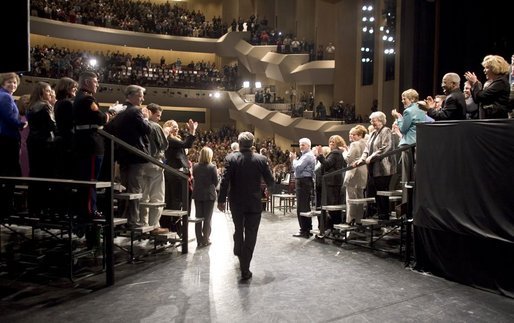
(355, 179)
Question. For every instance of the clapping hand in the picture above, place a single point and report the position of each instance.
(192, 126)
(471, 77)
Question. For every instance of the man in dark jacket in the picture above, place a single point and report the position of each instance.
(133, 127)
(88, 145)
(454, 106)
(241, 180)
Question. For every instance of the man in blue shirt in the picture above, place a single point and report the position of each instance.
(303, 167)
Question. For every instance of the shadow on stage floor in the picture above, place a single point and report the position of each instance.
(295, 280)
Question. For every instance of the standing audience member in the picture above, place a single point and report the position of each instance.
(87, 143)
(303, 167)
(454, 106)
(40, 144)
(493, 96)
(438, 101)
(471, 105)
(204, 193)
(406, 124)
(241, 181)
(153, 175)
(10, 125)
(355, 179)
(380, 169)
(234, 147)
(318, 176)
(176, 157)
(65, 90)
(332, 183)
(132, 126)
(53, 98)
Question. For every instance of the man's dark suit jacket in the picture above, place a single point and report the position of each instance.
(131, 127)
(176, 154)
(241, 180)
(454, 107)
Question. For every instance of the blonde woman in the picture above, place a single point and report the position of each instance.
(204, 194)
(176, 157)
(493, 96)
(355, 179)
(331, 162)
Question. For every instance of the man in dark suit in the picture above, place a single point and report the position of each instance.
(133, 127)
(454, 106)
(88, 144)
(241, 180)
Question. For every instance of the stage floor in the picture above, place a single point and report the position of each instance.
(294, 280)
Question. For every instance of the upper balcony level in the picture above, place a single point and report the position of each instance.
(256, 59)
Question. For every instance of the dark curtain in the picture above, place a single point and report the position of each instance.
(464, 203)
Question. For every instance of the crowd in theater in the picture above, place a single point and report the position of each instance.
(123, 68)
(146, 17)
(169, 19)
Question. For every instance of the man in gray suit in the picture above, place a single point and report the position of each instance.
(241, 180)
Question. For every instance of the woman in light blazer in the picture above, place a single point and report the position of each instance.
(204, 194)
(355, 179)
(380, 169)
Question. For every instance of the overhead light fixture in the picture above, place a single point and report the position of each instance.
(258, 85)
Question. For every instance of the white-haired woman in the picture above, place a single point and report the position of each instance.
(380, 169)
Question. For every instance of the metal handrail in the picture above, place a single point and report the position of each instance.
(175, 172)
(340, 172)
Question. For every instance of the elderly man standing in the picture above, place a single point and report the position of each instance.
(133, 127)
(303, 167)
(241, 181)
(454, 106)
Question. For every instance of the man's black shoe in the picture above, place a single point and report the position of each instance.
(245, 275)
(302, 235)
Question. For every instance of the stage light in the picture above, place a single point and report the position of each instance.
(258, 85)
(246, 84)
(217, 95)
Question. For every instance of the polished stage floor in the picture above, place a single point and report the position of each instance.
(294, 280)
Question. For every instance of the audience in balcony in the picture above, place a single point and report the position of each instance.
(123, 68)
(164, 18)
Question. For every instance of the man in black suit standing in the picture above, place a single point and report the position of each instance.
(133, 127)
(241, 180)
(454, 106)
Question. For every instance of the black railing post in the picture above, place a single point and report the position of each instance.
(109, 229)
(408, 222)
(185, 217)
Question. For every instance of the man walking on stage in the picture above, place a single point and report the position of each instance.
(241, 180)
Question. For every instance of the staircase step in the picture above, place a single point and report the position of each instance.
(173, 213)
(344, 227)
(333, 207)
(152, 204)
(364, 201)
(144, 229)
(310, 214)
(128, 196)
